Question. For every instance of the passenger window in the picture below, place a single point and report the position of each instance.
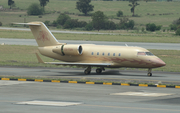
(119, 54)
(103, 53)
(97, 53)
(92, 53)
(141, 53)
(114, 54)
(108, 54)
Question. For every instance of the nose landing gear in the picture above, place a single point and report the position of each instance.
(149, 72)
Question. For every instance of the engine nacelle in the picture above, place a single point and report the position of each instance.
(68, 50)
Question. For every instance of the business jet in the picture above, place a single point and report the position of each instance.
(90, 55)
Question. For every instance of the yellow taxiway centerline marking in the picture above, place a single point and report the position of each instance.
(74, 82)
(89, 82)
(55, 81)
(5, 79)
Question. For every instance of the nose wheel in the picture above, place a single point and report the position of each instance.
(149, 72)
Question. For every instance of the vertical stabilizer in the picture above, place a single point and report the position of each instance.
(42, 34)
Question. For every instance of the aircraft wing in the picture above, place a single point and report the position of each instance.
(79, 63)
(74, 63)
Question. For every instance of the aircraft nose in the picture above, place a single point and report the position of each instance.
(159, 62)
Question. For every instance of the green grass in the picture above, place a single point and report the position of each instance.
(108, 7)
(15, 55)
(157, 37)
(20, 56)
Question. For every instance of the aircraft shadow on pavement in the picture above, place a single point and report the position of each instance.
(105, 73)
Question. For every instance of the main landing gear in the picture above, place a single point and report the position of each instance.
(98, 70)
(149, 72)
(88, 70)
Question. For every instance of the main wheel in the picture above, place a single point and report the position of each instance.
(87, 72)
(98, 71)
(149, 74)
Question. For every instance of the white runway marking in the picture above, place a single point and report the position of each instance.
(6, 82)
(48, 103)
(142, 94)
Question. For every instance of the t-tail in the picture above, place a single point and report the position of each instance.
(42, 34)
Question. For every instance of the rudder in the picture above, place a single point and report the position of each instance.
(42, 34)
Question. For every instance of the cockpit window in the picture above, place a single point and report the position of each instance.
(145, 54)
(149, 54)
(141, 53)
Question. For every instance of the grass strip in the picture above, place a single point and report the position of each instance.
(24, 56)
(157, 37)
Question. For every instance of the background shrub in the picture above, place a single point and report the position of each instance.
(54, 23)
(173, 27)
(89, 26)
(125, 23)
(109, 25)
(82, 24)
(71, 23)
(158, 27)
(62, 19)
(119, 13)
(178, 30)
(142, 29)
(47, 23)
(175, 24)
(0, 23)
(34, 9)
(152, 27)
(131, 24)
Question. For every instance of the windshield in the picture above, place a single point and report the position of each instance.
(145, 54)
(149, 54)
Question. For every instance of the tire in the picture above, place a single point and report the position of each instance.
(98, 71)
(86, 72)
(149, 74)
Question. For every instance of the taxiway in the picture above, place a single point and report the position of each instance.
(109, 75)
(36, 97)
(160, 46)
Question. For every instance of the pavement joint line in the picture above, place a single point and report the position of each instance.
(81, 82)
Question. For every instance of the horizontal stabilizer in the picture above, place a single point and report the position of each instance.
(28, 24)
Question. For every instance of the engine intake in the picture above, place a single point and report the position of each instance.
(68, 50)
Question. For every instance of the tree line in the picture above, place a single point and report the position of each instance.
(99, 20)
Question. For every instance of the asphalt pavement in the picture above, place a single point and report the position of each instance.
(37, 97)
(110, 75)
